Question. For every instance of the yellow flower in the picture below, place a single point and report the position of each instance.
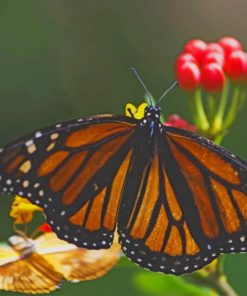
(22, 210)
(209, 269)
(132, 111)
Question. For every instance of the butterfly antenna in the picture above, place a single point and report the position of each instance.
(167, 91)
(142, 83)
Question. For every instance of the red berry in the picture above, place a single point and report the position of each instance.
(213, 57)
(245, 68)
(196, 47)
(212, 77)
(178, 122)
(188, 76)
(236, 64)
(214, 47)
(45, 228)
(184, 57)
(229, 44)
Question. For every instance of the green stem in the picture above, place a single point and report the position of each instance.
(200, 116)
(218, 120)
(220, 285)
(162, 118)
(219, 137)
(211, 108)
(219, 271)
(215, 280)
(233, 108)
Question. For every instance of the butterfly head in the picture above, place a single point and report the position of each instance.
(21, 245)
(151, 119)
(152, 113)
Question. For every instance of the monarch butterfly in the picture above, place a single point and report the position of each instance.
(176, 199)
(40, 265)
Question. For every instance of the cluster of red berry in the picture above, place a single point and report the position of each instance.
(208, 65)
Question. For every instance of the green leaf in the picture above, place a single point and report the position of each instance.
(160, 285)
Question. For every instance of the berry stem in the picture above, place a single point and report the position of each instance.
(211, 100)
(200, 116)
(219, 137)
(218, 120)
(233, 108)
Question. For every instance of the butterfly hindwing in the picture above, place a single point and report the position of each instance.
(156, 235)
(73, 170)
(187, 211)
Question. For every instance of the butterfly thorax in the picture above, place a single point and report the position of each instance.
(152, 118)
(21, 245)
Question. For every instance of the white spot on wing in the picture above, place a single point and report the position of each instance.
(28, 143)
(41, 193)
(38, 134)
(54, 136)
(25, 183)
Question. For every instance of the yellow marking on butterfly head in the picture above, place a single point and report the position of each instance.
(136, 112)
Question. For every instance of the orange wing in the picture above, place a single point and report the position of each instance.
(74, 171)
(77, 264)
(33, 275)
(218, 182)
(191, 205)
(39, 266)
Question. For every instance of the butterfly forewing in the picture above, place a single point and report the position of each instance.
(74, 172)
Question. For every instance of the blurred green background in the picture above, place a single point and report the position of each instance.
(63, 59)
